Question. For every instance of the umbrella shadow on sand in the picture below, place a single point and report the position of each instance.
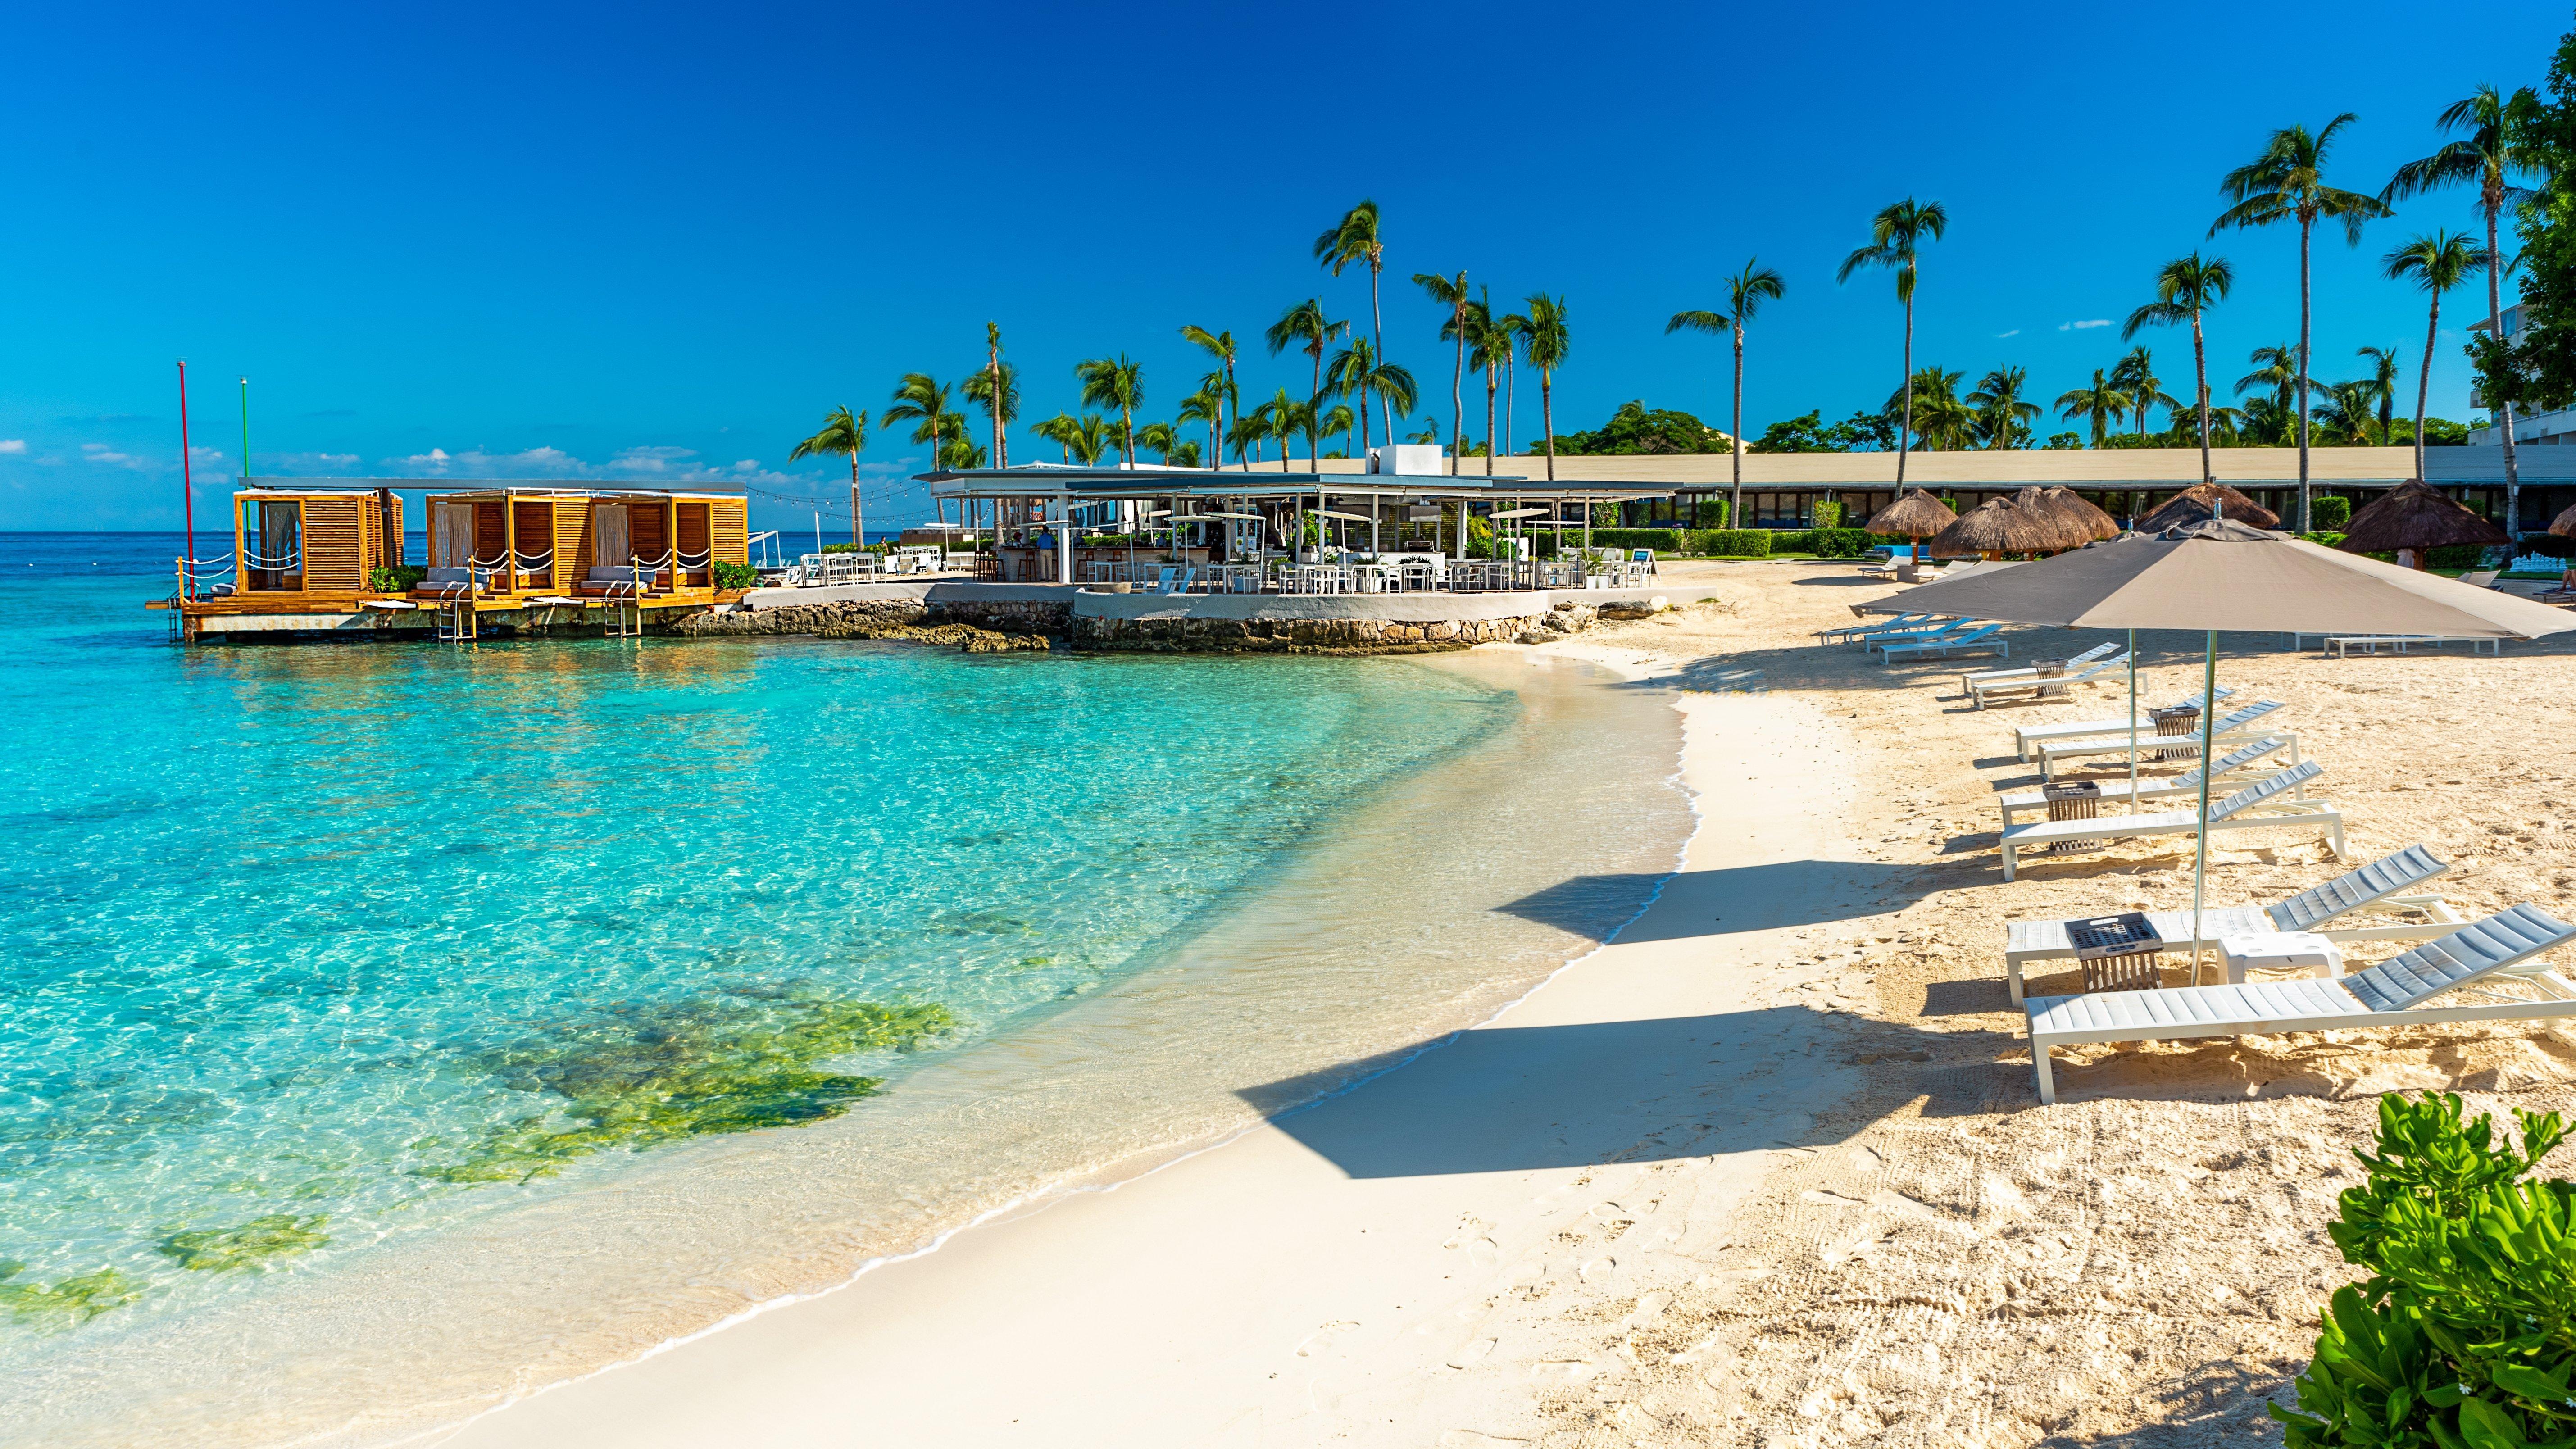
(1698, 903)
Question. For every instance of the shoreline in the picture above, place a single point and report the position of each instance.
(683, 1388)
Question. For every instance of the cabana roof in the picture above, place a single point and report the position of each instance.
(2413, 515)
(488, 488)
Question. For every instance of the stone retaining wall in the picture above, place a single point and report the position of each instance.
(985, 625)
(1326, 636)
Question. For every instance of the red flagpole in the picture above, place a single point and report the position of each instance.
(187, 482)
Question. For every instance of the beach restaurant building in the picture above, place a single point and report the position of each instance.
(1781, 490)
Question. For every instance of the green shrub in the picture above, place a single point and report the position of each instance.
(401, 579)
(1825, 516)
(731, 575)
(2330, 540)
(853, 548)
(1735, 543)
(1661, 540)
(1709, 515)
(2465, 1332)
(2330, 514)
(2455, 556)
(1839, 542)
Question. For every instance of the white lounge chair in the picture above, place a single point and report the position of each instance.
(2383, 887)
(2159, 787)
(2396, 992)
(1931, 626)
(2277, 802)
(2342, 645)
(2229, 729)
(2000, 682)
(2029, 737)
(1979, 640)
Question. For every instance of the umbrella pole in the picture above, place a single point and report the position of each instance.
(2200, 860)
(2133, 721)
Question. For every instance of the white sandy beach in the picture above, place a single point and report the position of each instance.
(1768, 1169)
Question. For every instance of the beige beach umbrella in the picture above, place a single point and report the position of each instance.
(1915, 517)
(2202, 502)
(2415, 516)
(2000, 526)
(2226, 575)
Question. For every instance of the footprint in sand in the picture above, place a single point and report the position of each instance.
(1472, 1353)
(1598, 1270)
(1323, 1338)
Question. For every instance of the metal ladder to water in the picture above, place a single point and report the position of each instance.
(457, 622)
(625, 620)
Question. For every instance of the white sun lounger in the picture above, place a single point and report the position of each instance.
(2381, 888)
(2029, 737)
(2159, 787)
(2229, 729)
(1979, 640)
(2396, 992)
(1995, 683)
(1939, 629)
(2273, 803)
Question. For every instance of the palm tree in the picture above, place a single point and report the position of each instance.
(1245, 436)
(1347, 375)
(2384, 367)
(1338, 419)
(1355, 239)
(1489, 347)
(2268, 423)
(2343, 411)
(1547, 342)
(1286, 418)
(920, 400)
(1306, 324)
(1184, 454)
(1745, 292)
(1114, 382)
(1896, 236)
(1058, 430)
(2276, 368)
(2103, 402)
(2287, 183)
(1161, 437)
(2489, 157)
(2438, 263)
(844, 433)
(2135, 375)
(1946, 420)
(1451, 292)
(1088, 440)
(2187, 287)
(1515, 329)
(2003, 415)
(1207, 405)
(1219, 345)
(997, 387)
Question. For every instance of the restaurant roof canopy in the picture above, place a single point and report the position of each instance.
(1149, 481)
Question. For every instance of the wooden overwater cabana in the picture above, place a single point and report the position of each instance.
(1227, 516)
(330, 560)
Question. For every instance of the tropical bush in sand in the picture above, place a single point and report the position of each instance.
(2464, 1335)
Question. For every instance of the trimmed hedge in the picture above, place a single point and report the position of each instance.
(1732, 542)
(1661, 540)
(1825, 517)
(1709, 515)
(2329, 514)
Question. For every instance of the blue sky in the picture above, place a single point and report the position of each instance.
(657, 242)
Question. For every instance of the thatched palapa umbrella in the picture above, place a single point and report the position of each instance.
(1915, 517)
(2202, 502)
(2412, 517)
(2000, 526)
(2564, 525)
(2071, 504)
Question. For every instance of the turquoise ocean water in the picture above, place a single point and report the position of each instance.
(312, 953)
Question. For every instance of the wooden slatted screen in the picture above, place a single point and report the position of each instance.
(491, 538)
(732, 530)
(534, 525)
(334, 550)
(650, 528)
(572, 542)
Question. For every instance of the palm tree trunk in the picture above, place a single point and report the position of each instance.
(2200, 377)
(1905, 439)
(1547, 413)
(1735, 441)
(857, 536)
(2306, 226)
(2503, 415)
(1366, 436)
(1458, 387)
(1489, 417)
(1511, 399)
(1377, 343)
(2424, 383)
(1127, 416)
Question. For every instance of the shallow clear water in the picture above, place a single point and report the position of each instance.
(333, 970)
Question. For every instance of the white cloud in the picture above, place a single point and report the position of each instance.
(2016, 332)
(102, 453)
(13, 445)
(2084, 325)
